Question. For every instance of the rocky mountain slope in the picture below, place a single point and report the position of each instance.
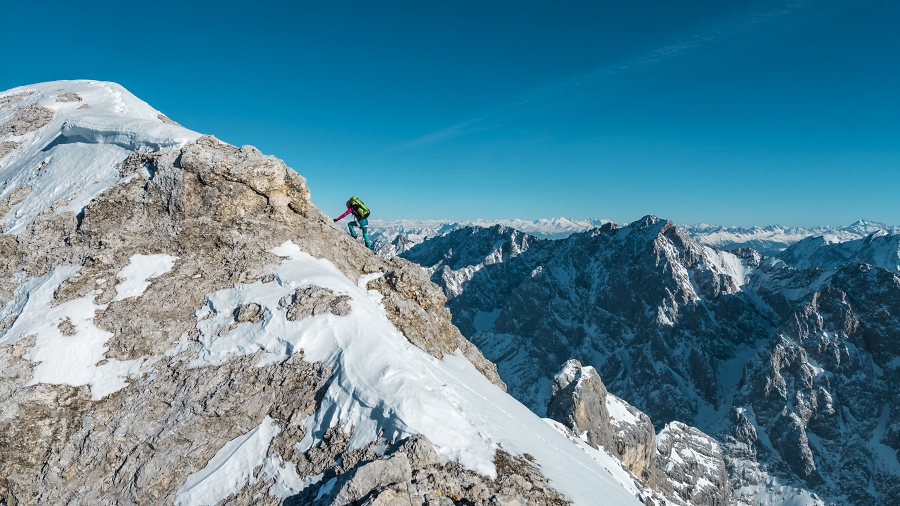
(792, 366)
(179, 324)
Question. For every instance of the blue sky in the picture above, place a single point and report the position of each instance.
(734, 113)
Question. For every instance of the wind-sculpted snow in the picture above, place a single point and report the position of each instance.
(71, 156)
(230, 468)
(384, 387)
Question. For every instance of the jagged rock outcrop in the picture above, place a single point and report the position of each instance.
(579, 401)
(412, 474)
(681, 464)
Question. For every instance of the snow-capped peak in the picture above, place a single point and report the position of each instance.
(61, 142)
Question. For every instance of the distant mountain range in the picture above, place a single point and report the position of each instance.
(792, 362)
(393, 237)
(775, 238)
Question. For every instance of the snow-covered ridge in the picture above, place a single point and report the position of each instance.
(63, 141)
(880, 249)
(385, 386)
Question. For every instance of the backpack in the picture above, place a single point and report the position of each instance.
(359, 209)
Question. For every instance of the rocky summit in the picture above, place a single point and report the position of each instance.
(790, 362)
(179, 324)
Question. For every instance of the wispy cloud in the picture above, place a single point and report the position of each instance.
(466, 127)
(701, 37)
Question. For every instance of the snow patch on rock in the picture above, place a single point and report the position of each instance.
(287, 481)
(619, 415)
(230, 469)
(141, 268)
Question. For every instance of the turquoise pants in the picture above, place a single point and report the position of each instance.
(364, 225)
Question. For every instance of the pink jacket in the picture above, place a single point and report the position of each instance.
(341, 217)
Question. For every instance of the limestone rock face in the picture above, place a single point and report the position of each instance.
(633, 438)
(693, 466)
(135, 270)
(26, 119)
(579, 401)
(312, 301)
(6, 147)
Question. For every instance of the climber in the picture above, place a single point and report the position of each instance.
(361, 213)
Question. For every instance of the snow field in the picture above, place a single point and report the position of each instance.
(618, 412)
